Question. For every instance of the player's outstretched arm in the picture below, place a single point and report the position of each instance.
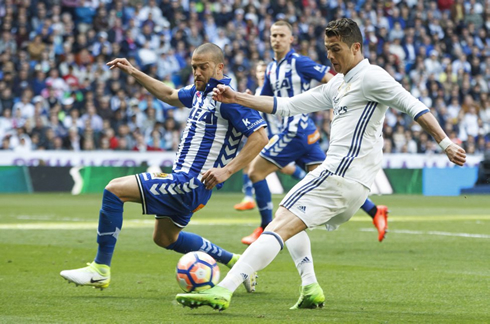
(225, 94)
(454, 152)
(255, 143)
(155, 87)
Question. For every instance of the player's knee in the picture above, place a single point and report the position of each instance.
(115, 186)
(255, 175)
(164, 241)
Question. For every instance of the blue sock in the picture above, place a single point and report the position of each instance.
(369, 207)
(264, 201)
(247, 186)
(298, 173)
(110, 224)
(187, 242)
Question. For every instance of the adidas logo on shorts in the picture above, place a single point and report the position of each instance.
(302, 208)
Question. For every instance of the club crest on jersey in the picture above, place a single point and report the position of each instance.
(160, 175)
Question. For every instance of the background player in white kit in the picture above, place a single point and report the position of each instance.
(359, 95)
(297, 140)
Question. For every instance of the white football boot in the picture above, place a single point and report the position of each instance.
(95, 275)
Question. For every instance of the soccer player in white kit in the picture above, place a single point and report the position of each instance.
(359, 95)
(297, 139)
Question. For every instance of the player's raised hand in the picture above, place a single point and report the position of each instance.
(224, 94)
(456, 154)
(121, 63)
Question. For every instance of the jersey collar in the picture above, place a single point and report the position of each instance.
(288, 54)
(348, 77)
(212, 83)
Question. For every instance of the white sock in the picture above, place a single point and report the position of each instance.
(255, 258)
(299, 247)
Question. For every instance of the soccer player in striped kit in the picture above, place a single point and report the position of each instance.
(288, 75)
(359, 95)
(207, 157)
(273, 128)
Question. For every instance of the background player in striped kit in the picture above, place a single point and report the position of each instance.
(207, 157)
(288, 75)
(273, 128)
(359, 94)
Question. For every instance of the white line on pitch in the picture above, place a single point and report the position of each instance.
(430, 233)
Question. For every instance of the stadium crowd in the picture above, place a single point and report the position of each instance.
(56, 92)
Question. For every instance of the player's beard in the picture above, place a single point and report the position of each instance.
(203, 83)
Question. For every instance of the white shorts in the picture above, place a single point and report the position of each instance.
(323, 198)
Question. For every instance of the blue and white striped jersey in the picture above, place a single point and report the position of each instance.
(213, 131)
(290, 77)
(272, 121)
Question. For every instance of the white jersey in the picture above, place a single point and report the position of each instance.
(359, 101)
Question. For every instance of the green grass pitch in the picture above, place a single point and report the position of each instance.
(433, 266)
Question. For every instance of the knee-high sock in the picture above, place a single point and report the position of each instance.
(299, 247)
(247, 186)
(264, 202)
(369, 207)
(298, 173)
(187, 242)
(255, 258)
(110, 224)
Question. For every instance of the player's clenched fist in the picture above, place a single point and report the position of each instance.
(121, 63)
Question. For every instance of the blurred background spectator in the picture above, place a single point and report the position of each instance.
(56, 93)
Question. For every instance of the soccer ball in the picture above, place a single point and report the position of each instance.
(197, 271)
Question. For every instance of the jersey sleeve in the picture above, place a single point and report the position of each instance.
(243, 119)
(310, 101)
(267, 87)
(310, 69)
(186, 95)
(380, 87)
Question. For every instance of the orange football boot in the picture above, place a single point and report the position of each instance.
(246, 204)
(380, 221)
(252, 237)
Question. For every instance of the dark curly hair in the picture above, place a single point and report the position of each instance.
(346, 30)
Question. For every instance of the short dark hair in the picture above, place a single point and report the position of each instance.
(215, 50)
(346, 30)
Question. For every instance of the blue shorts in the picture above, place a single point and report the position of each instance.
(301, 148)
(176, 195)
